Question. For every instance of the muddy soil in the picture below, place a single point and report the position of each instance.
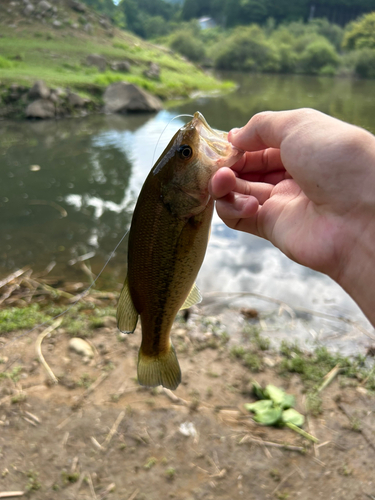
(97, 434)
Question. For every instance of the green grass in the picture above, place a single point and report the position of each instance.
(16, 318)
(59, 58)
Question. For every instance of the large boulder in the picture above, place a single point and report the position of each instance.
(122, 97)
(39, 90)
(96, 60)
(76, 101)
(42, 108)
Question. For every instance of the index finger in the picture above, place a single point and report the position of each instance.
(262, 162)
(269, 128)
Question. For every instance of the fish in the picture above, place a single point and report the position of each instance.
(167, 243)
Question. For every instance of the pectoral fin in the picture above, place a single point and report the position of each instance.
(127, 315)
(194, 297)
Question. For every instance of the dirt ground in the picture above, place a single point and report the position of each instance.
(97, 434)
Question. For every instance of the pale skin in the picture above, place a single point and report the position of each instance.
(307, 184)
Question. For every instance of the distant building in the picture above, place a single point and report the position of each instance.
(206, 22)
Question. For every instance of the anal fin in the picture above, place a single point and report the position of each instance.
(127, 315)
(194, 297)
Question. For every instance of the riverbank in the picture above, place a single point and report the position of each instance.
(97, 430)
(70, 47)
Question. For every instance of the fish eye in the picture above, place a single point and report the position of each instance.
(185, 152)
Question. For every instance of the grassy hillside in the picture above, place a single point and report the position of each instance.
(54, 47)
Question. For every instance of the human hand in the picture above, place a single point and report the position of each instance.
(307, 184)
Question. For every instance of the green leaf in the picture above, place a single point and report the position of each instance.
(270, 416)
(292, 416)
(275, 393)
(263, 404)
(258, 391)
(288, 402)
(279, 397)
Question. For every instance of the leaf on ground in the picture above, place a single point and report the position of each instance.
(263, 404)
(268, 417)
(292, 416)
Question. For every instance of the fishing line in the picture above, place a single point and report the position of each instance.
(78, 298)
(164, 129)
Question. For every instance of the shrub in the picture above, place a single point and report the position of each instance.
(361, 34)
(287, 58)
(317, 55)
(365, 63)
(247, 49)
(189, 46)
(156, 26)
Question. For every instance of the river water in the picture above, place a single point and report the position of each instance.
(68, 187)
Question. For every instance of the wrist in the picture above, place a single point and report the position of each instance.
(357, 269)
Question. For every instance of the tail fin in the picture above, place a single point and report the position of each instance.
(159, 370)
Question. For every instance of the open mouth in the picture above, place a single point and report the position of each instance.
(214, 143)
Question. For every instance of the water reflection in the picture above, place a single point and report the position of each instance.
(93, 169)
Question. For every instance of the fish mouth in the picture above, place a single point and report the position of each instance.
(214, 143)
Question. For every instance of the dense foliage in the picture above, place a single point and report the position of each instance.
(258, 35)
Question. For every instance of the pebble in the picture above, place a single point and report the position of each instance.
(81, 347)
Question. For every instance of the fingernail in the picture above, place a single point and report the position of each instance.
(234, 131)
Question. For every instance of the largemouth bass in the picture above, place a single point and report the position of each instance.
(167, 242)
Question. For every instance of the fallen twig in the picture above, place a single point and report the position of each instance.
(283, 481)
(134, 494)
(91, 486)
(327, 379)
(33, 417)
(91, 389)
(109, 488)
(113, 430)
(249, 439)
(175, 399)
(13, 276)
(38, 348)
(11, 494)
(302, 432)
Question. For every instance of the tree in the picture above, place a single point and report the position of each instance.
(361, 35)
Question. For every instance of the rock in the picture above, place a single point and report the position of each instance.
(122, 97)
(97, 60)
(104, 23)
(76, 101)
(81, 347)
(88, 28)
(15, 93)
(153, 72)
(29, 9)
(78, 6)
(43, 7)
(122, 66)
(42, 108)
(57, 24)
(39, 90)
